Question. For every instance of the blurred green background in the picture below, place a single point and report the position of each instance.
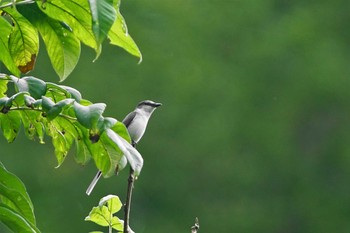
(253, 134)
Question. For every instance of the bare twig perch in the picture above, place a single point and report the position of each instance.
(195, 228)
(128, 201)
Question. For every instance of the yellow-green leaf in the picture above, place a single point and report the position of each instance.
(23, 42)
(5, 56)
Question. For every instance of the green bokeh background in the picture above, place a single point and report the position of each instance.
(253, 134)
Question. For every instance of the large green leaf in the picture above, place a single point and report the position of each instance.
(11, 181)
(76, 14)
(17, 202)
(36, 87)
(5, 56)
(118, 35)
(62, 45)
(23, 42)
(16, 208)
(89, 116)
(103, 15)
(15, 221)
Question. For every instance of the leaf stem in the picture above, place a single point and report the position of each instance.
(40, 110)
(14, 3)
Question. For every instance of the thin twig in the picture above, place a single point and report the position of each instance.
(127, 206)
(195, 228)
(128, 200)
(16, 3)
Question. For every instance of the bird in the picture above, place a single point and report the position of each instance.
(136, 124)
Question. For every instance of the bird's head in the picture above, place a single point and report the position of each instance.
(148, 105)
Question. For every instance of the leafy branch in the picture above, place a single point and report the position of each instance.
(61, 113)
(103, 214)
(63, 26)
(57, 111)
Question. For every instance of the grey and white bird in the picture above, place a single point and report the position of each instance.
(136, 123)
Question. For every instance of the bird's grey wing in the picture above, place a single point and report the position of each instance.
(128, 119)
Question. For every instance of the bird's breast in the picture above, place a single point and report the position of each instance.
(137, 128)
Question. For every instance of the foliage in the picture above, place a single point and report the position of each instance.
(62, 114)
(103, 214)
(16, 208)
(63, 26)
(47, 109)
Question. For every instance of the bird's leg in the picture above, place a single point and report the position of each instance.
(133, 144)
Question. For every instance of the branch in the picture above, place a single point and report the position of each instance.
(14, 3)
(40, 110)
(128, 200)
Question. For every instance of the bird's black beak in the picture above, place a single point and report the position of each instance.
(157, 105)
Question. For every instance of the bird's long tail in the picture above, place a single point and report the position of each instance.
(93, 183)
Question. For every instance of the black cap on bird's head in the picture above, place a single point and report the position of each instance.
(148, 103)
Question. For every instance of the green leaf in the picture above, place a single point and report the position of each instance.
(5, 104)
(104, 123)
(121, 130)
(118, 35)
(63, 136)
(47, 103)
(15, 203)
(23, 41)
(18, 98)
(103, 15)
(75, 94)
(52, 109)
(103, 214)
(5, 56)
(62, 45)
(6, 29)
(11, 181)
(133, 156)
(36, 87)
(10, 124)
(76, 14)
(32, 123)
(105, 154)
(14, 221)
(99, 215)
(56, 92)
(29, 101)
(82, 155)
(15, 200)
(89, 116)
(3, 87)
(112, 202)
